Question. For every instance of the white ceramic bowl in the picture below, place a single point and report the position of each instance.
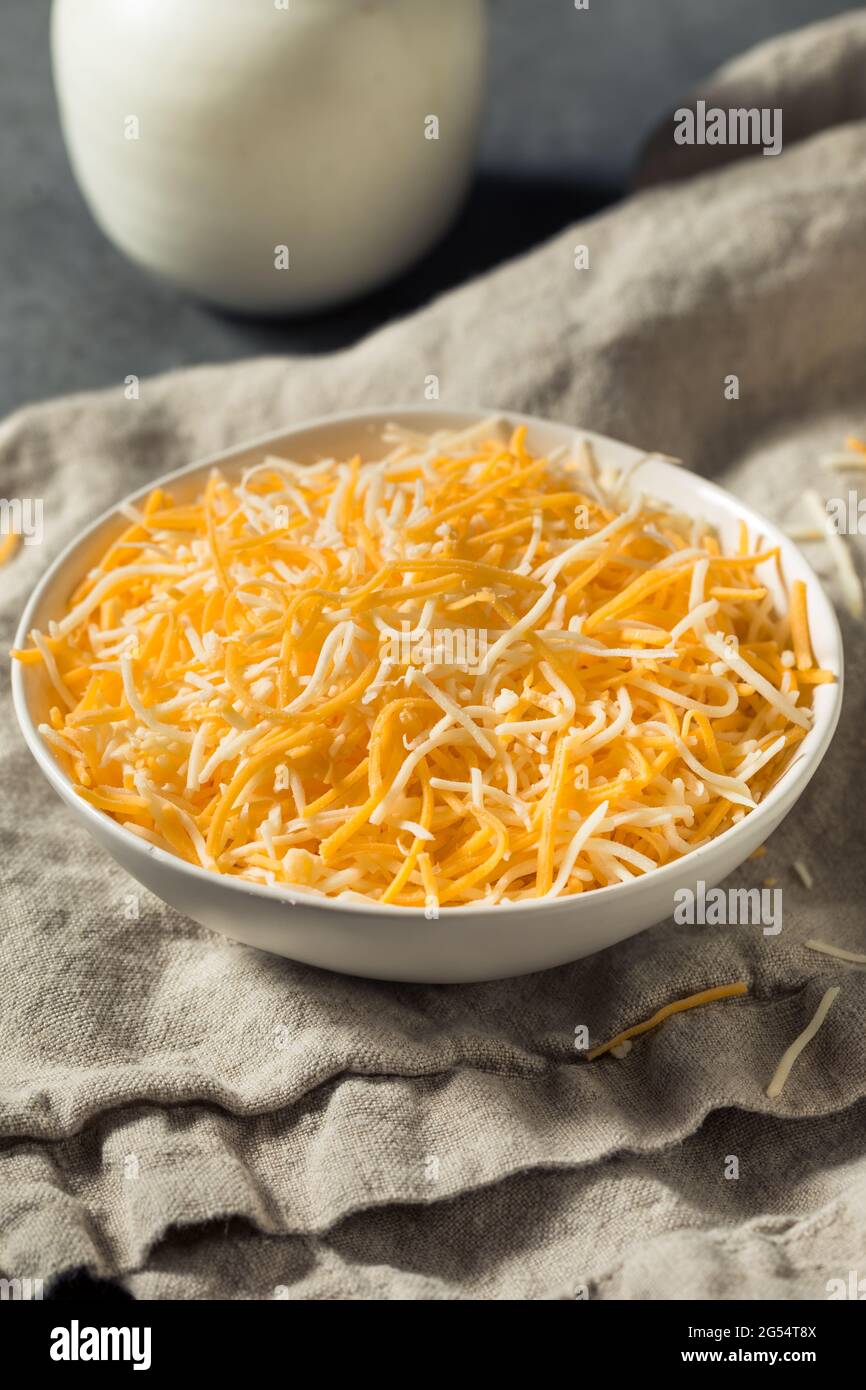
(464, 944)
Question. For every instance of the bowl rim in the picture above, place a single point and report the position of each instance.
(787, 789)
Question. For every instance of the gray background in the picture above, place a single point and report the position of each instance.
(571, 97)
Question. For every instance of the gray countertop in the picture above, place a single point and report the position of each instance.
(572, 95)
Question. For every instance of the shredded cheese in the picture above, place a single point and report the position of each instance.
(789, 1057)
(853, 456)
(849, 582)
(838, 952)
(693, 1001)
(9, 543)
(456, 675)
(843, 460)
(800, 627)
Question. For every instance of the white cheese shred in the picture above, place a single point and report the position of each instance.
(789, 1057)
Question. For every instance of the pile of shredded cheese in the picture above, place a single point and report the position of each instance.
(459, 674)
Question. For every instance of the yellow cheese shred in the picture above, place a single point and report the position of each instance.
(693, 1001)
(457, 674)
(800, 627)
(8, 546)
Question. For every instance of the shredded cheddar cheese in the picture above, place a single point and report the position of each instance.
(8, 545)
(853, 456)
(849, 581)
(803, 874)
(800, 627)
(838, 952)
(789, 1057)
(457, 675)
(679, 1006)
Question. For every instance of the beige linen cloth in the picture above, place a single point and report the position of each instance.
(199, 1120)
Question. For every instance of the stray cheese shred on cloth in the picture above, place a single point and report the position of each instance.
(459, 674)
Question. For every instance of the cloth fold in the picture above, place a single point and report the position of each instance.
(199, 1120)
